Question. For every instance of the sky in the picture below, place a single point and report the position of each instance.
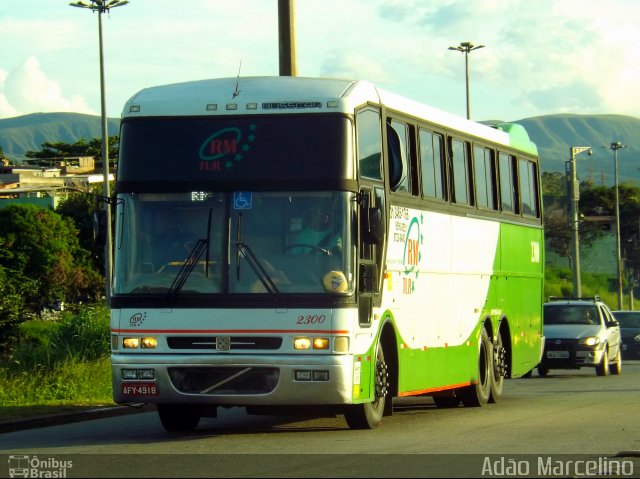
(540, 57)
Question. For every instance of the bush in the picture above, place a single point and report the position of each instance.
(47, 343)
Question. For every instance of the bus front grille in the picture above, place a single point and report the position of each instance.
(234, 342)
(224, 380)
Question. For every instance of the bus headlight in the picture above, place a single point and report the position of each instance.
(301, 343)
(321, 343)
(144, 343)
(149, 343)
(305, 342)
(130, 343)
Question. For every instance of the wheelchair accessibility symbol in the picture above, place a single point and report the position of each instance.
(242, 200)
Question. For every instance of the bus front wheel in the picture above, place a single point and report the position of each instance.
(179, 417)
(369, 415)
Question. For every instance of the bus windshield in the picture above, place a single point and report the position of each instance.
(239, 242)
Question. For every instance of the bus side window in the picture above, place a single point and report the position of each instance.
(507, 185)
(528, 188)
(397, 139)
(369, 138)
(431, 163)
(485, 177)
(461, 181)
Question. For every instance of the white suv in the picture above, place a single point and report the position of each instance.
(580, 332)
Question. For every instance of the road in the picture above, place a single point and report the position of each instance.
(568, 413)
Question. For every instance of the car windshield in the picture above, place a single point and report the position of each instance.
(570, 314)
(628, 319)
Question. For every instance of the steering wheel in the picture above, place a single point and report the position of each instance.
(312, 247)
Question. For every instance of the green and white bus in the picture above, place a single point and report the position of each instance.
(286, 243)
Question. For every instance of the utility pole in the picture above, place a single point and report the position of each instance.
(102, 6)
(287, 37)
(575, 221)
(615, 146)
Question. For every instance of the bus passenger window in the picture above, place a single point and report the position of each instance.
(369, 143)
(397, 138)
(431, 164)
(507, 185)
(460, 169)
(484, 173)
(528, 190)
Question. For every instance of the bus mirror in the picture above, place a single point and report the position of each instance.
(371, 225)
(100, 227)
(368, 277)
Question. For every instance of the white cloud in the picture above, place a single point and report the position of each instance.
(27, 89)
(541, 57)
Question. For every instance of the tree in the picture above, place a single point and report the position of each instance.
(81, 207)
(600, 200)
(557, 227)
(41, 261)
(60, 149)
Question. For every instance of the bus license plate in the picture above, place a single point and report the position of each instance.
(140, 389)
(558, 354)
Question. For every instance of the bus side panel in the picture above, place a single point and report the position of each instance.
(520, 292)
(439, 274)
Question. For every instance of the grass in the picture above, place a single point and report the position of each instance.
(56, 365)
(559, 282)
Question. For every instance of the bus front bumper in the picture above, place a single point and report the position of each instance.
(234, 380)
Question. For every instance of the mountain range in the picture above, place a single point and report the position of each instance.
(553, 134)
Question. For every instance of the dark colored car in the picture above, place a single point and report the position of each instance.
(630, 331)
(580, 332)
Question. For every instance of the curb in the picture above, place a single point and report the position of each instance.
(57, 419)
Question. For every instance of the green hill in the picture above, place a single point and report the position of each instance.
(554, 135)
(27, 133)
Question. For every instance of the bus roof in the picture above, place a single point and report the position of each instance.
(286, 94)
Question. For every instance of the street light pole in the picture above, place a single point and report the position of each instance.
(615, 146)
(102, 6)
(575, 198)
(287, 38)
(466, 47)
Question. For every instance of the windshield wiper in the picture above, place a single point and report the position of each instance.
(188, 266)
(201, 246)
(257, 268)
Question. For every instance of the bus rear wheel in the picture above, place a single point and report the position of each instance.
(478, 394)
(179, 417)
(499, 369)
(368, 415)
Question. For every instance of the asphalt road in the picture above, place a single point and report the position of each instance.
(571, 416)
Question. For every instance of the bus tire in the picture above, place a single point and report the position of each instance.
(368, 415)
(498, 370)
(179, 417)
(477, 395)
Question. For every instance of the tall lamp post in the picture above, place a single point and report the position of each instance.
(466, 48)
(615, 146)
(102, 6)
(287, 38)
(575, 198)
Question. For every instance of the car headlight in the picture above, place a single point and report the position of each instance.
(590, 341)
